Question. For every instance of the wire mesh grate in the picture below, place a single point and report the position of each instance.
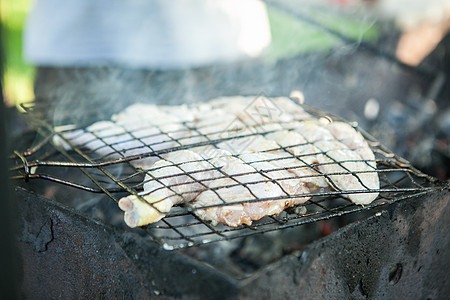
(120, 158)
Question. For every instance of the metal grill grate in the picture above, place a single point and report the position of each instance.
(115, 162)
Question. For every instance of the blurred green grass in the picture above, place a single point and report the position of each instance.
(18, 76)
(290, 36)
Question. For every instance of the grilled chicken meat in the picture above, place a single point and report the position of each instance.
(177, 179)
(345, 171)
(347, 135)
(248, 158)
(113, 140)
(242, 184)
(346, 166)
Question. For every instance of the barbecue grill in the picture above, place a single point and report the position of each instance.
(401, 187)
(395, 247)
(182, 228)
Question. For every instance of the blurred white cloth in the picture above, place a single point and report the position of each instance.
(411, 13)
(159, 34)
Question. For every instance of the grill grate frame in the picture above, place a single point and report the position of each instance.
(181, 227)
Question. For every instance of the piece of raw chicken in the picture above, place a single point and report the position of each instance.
(295, 179)
(177, 179)
(347, 166)
(304, 156)
(346, 172)
(123, 139)
(347, 135)
(243, 184)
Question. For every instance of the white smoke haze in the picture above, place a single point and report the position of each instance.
(335, 75)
